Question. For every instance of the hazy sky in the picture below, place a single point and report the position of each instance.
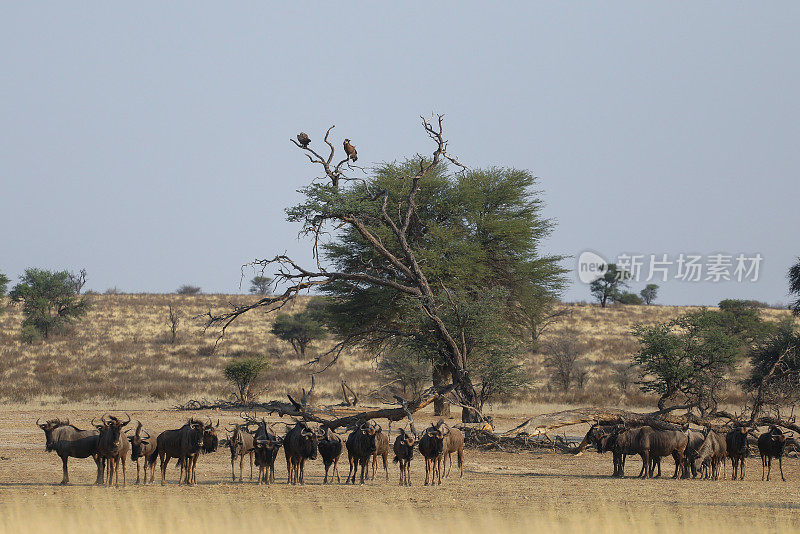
(149, 143)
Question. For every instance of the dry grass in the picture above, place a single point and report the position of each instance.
(175, 515)
(121, 351)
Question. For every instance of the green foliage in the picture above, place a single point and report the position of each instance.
(783, 386)
(476, 233)
(649, 293)
(609, 286)
(407, 369)
(49, 302)
(626, 297)
(243, 374)
(259, 285)
(299, 329)
(794, 286)
(690, 357)
(3, 288)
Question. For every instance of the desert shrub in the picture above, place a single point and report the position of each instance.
(206, 350)
(243, 374)
(188, 290)
(562, 358)
(627, 297)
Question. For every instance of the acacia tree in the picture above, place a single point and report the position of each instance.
(48, 301)
(649, 293)
(610, 285)
(409, 255)
(259, 285)
(299, 329)
(688, 360)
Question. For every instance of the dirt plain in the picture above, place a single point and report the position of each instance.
(507, 484)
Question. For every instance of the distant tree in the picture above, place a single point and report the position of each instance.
(78, 280)
(410, 371)
(609, 286)
(626, 297)
(188, 290)
(688, 360)
(794, 286)
(243, 374)
(173, 320)
(259, 285)
(48, 301)
(562, 355)
(113, 291)
(649, 293)
(299, 329)
(3, 288)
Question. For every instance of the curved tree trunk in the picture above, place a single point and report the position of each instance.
(441, 376)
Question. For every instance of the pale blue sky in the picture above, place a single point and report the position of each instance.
(149, 143)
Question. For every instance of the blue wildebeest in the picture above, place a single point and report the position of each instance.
(113, 447)
(403, 453)
(210, 444)
(181, 443)
(712, 453)
(142, 447)
(330, 448)
(299, 445)
(360, 447)
(68, 441)
(267, 445)
(431, 447)
(736, 442)
(241, 444)
(771, 445)
(382, 450)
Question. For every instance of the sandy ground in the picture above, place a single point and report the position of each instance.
(493, 481)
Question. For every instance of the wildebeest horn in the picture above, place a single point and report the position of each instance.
(37, 423)
(126, 422)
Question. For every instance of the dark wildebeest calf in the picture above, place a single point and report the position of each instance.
(431, 447)
(113, 447)
(143, 447)
(68, 441)
(361, 445)
(181, 443)
(771, 445)
(403, 453)
(267, 446)
(736, 442)
(330, 448)
(299, 445)
(242, 444)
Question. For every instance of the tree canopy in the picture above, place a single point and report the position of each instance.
(49, 301)
(690, 358)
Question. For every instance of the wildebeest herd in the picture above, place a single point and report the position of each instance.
(696, 453)
(109, 445)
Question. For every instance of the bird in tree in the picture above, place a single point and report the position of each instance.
(303, 139)
(350, 150)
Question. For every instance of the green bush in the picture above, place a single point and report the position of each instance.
(243, 374)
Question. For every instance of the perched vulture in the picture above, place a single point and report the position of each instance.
(303, 139)
(350, 150)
